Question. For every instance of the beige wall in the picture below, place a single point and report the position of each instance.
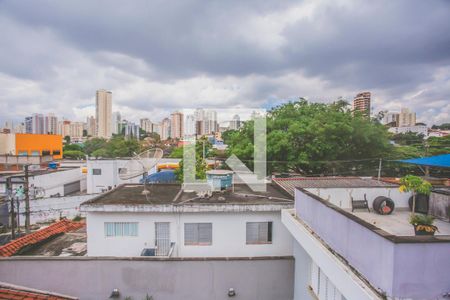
(7, 143)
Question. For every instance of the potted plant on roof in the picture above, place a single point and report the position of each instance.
(423, 224)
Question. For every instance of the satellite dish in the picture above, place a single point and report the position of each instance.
(140, 164)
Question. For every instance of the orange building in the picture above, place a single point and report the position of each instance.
(25, 144)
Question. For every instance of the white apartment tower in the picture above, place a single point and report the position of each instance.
(165, 129)
(406, 118)
(51, 124)
(103, 113)
(115, 121)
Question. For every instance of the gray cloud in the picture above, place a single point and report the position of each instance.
(157, 56)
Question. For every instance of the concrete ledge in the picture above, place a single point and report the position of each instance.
(139, 258)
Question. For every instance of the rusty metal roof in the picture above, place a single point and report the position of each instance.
(289, 184)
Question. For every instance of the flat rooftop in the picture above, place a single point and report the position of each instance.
(291, 183)
(174, 195)
(397, 223)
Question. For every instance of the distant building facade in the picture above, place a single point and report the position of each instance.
(406, 118)
(103, 113)
(176, 125)
(165, 129)
(361, 103)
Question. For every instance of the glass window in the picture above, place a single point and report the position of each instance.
(96, 171)
(56, 152)
(259, 232)
(35, 153)
(199, 234)
(121, 229)
(23, 153)
(45, 152)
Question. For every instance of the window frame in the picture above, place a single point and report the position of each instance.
(269, 239)
(197, 234)
(96, 169)
(122, 230)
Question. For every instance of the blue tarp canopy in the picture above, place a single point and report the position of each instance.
(442, 161)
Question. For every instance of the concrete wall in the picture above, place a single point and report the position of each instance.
(228, 236)
(43, 210)
(262, 279)
(415, 270)
(342, 196)
(52, 183)
(110, 173)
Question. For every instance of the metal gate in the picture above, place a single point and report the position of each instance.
(162, 238)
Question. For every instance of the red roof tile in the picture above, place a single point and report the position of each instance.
(62, 226)
(13, 292)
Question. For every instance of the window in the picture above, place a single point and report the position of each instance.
(35, 153)
(56, 152)
(23, 153)
(199, 234)
(45, 152)
(259, 232)
(321, 286)
(121, 229)
(96, 171)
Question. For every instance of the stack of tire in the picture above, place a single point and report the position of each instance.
(383, 205)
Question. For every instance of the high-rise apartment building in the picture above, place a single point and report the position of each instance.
(28, 125)
(51, 124)
(37, 124)
(103, 113)
(146, 125)
(115, 121)
(406, 118)
(391, 119)
(189, 127)
(235, 124)
(91, 126)
(165, 129)
(176, 125)
(361, 103)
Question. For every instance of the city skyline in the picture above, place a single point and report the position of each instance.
(253, 60)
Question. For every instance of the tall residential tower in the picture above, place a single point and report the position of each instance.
(103, 113)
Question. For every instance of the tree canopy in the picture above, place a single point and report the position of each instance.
(305, 137)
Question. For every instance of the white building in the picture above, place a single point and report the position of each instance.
(48, 183)
(189, 127)
(37, 124)
(344, 253)
(165, 129)
(419, 129)
(103, 174)
(177, 223)
(115, 121)
(51, 124)
(406, 118)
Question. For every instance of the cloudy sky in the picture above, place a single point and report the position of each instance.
(159, 56)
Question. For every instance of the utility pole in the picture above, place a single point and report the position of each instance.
(379, 169)
(11, 199)
(27, 201)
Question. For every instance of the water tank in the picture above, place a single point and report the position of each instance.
(220, 180)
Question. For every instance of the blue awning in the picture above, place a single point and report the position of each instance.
(442, 161)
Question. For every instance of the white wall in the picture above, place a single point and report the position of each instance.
(341, 196)
(228, 234)
(52, 183)
(110, 173)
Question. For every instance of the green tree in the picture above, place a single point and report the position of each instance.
(303, 137)
(73, 154)
(203, 148)
(416, 185)
(94, 144)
